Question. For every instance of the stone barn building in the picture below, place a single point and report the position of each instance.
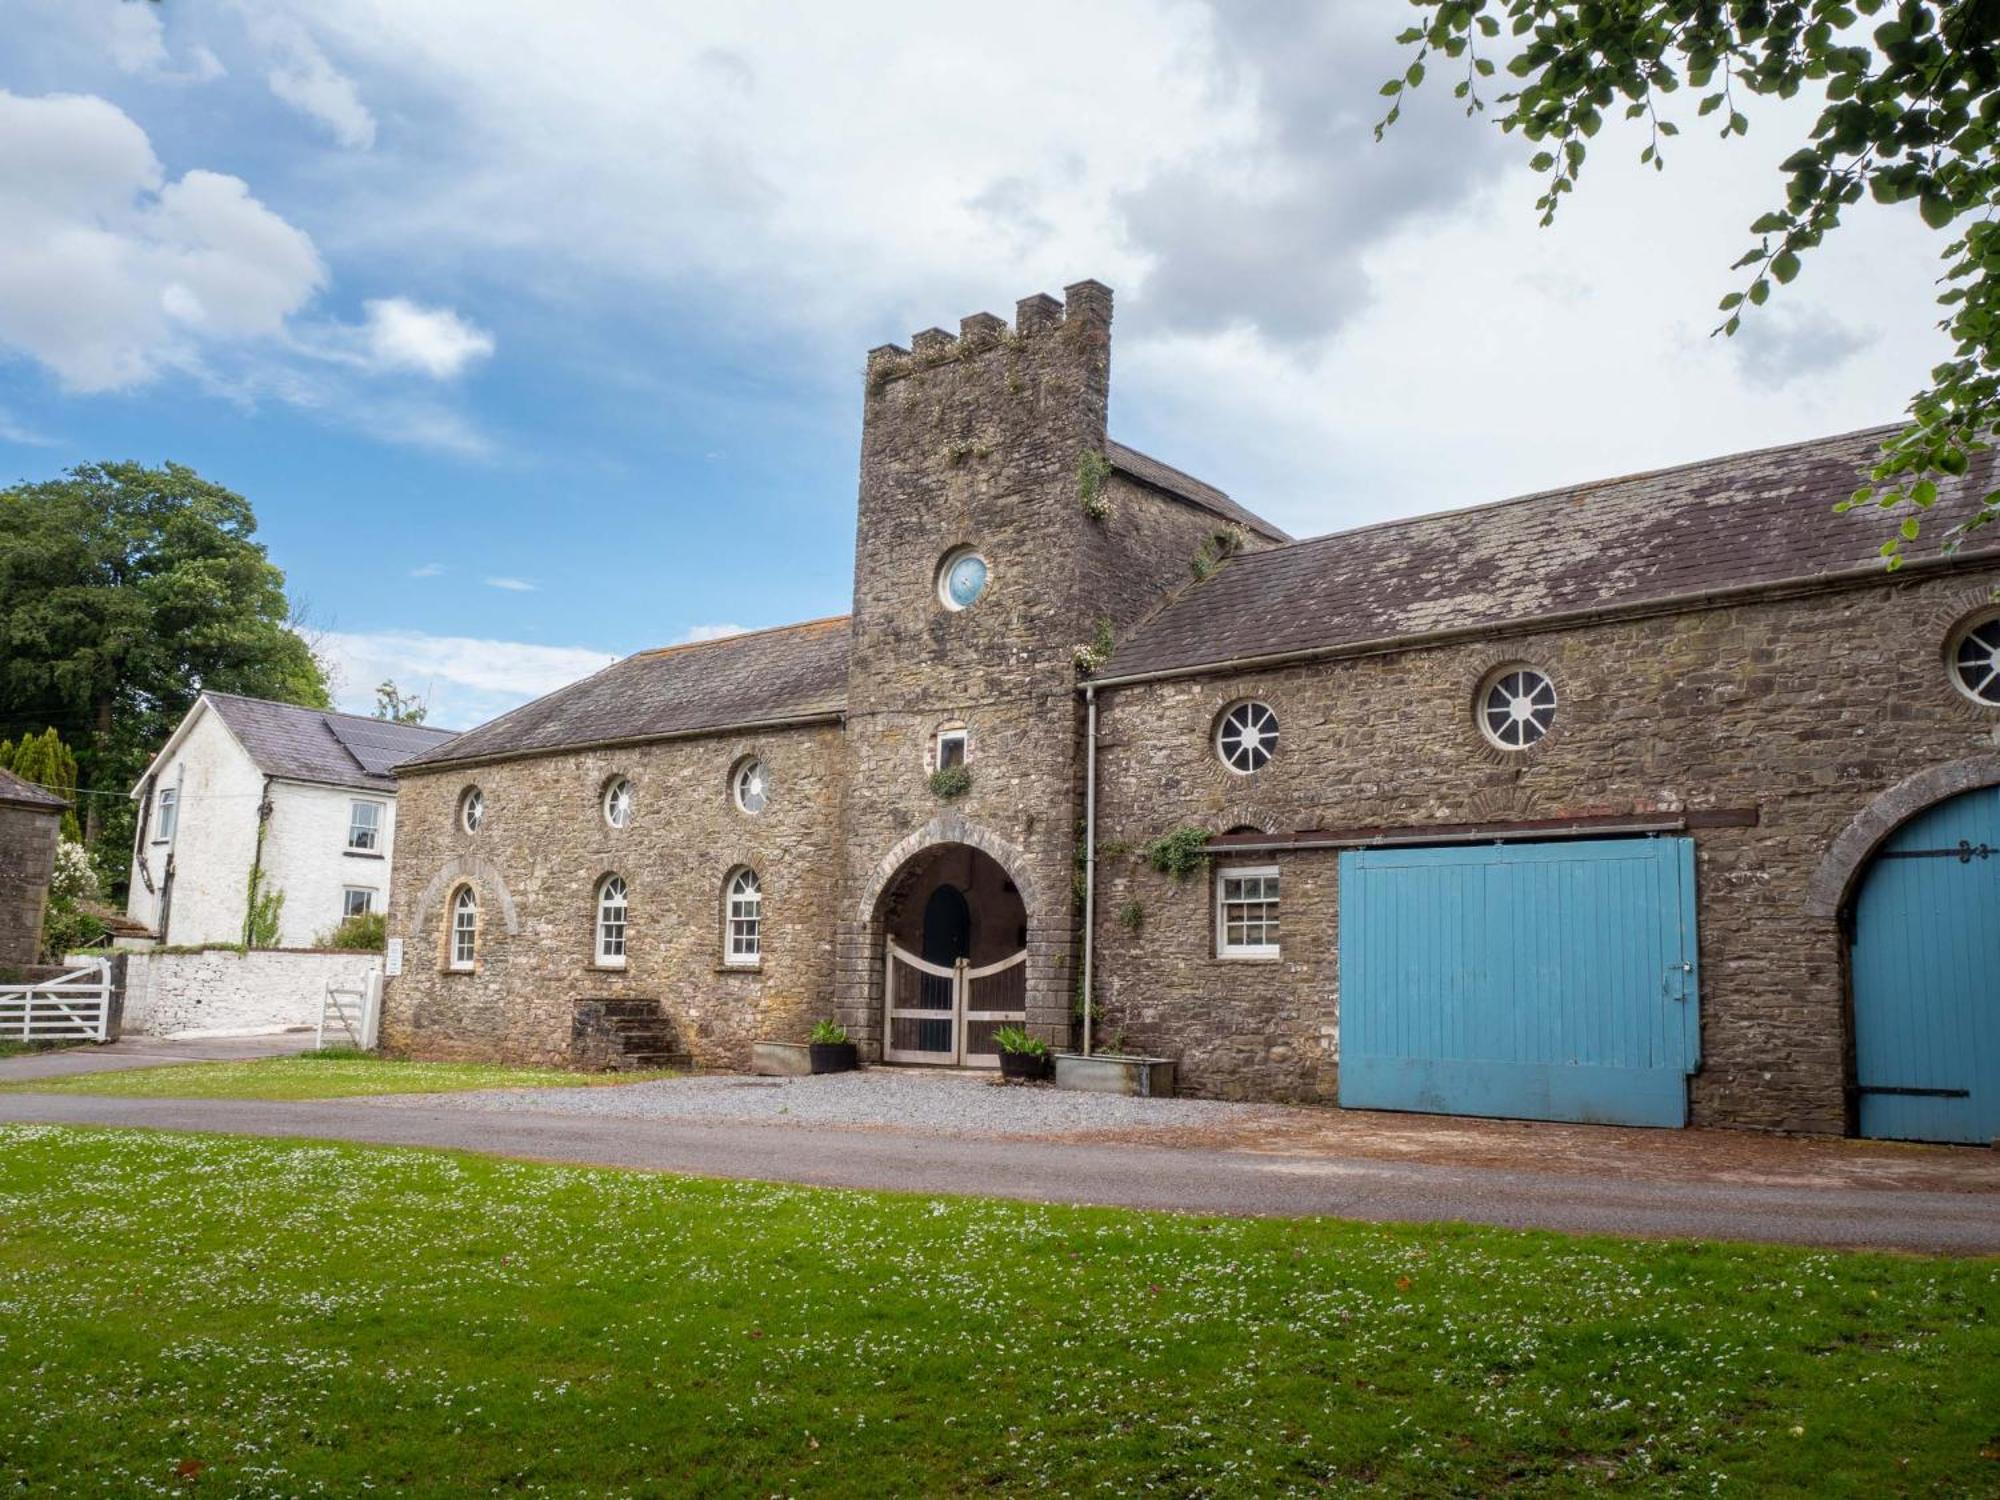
(1655, 800)
(30, 826)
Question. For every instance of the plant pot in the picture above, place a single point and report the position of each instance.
(834, 1057)
(1024, 1067)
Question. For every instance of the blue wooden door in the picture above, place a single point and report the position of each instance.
(1926, 975)
(1535, 981)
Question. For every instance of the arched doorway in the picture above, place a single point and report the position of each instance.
(954, 958)
(1925, 967)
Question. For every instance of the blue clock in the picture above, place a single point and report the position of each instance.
(964, 580)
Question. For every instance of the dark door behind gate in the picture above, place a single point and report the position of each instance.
(1926, 976)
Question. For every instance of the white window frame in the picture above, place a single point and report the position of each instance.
(738, 784)
(612, 930)
(347, 895)
(166, 813)
(612, 792)
(1511, 682)
(372, 828)
(1249, 711)
(743, 920)
(1983, 626)
(462, 956)
(1223, 947)
(952, 734)
(472, 809)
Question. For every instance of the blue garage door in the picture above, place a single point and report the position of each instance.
(1926, 975)
(1536, 981)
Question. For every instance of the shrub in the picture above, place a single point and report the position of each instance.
(366, 932)
(948, 782)
(1132, 916)
(1179, 853)
(66, 926)
(828, 1034)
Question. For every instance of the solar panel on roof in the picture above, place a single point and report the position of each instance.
(378, 744)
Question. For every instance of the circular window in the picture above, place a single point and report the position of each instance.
(752, 786)
(618, 802)
(1517, 707)
(1246, 736)
(472, 808)
(961, 579)
(1975, 661)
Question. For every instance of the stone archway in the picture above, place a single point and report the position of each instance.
(863, 936)
(482, 874)
(1832, 882)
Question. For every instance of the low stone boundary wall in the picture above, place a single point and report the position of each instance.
(222, 989)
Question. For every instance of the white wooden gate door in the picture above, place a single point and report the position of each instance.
(947, 1016)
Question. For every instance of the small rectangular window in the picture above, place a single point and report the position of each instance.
(364, 826)
(355, 901)
(1246, 912)
(166, 814)
(950, 748)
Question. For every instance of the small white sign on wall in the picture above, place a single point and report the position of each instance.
(392, 965)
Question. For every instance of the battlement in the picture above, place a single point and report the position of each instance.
(1085, 311)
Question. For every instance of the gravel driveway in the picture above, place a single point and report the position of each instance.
(935, 1103)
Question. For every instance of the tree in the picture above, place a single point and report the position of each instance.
(391, 704)
(46, 761)
(1911, 113)
(124, 592)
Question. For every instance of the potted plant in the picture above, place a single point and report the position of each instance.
(1023, 1058)
(830, 1050)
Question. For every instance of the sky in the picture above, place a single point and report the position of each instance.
(535, 333)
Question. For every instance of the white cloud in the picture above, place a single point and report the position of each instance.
(435, 341)
(696, 633)
(14, 431)
(427, 570)
(512, 585)
(465, 680)
(301, 75)
(108, 271)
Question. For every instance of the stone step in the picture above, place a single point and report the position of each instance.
(636, 1061)
(617, 1009)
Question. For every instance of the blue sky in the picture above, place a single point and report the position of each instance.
(576, 298)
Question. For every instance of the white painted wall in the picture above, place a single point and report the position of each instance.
(306, 856)
(221, 990)
(215, 837)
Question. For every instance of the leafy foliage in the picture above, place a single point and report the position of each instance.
(124, 592)
(1132, 915)
(1178, 853)
(1089, 658)
(1911, 107)
(827, 1034)
(264, 909)
(1014, 1039)
(1093, 472)
(948, 782)
(46, 761)
(67, 924)
(366, 931)
(398, 707)
(1216, 549)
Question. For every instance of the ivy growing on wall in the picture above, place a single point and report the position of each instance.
(948, 782)
(1093, 472)
(1178, 853)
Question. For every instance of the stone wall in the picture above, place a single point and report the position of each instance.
(535, 866)
(1804, 709)
(224, 990)
(27, 858)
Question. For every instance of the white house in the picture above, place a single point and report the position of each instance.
(301, 799)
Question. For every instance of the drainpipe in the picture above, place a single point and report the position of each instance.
(1089, 850)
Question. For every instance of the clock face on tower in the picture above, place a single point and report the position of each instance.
(962, 579)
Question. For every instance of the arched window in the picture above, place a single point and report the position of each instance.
(618, 802)
(611, 922)
(743, 920)
(464, 928)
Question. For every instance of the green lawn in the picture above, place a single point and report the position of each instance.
(248, 1317)
(315, 1076)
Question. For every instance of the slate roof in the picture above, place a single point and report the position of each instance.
(1750, 519)
(791, 672)
(15, 792)
(312, 744)
(1148, 470)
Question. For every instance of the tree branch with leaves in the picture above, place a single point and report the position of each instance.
(1910, 114)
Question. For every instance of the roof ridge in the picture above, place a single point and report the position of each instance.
(738, 635)
(1580, 487)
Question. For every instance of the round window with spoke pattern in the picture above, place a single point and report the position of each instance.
(753, 786)
(618, 803)
(1246, 736)
(472, 809)
(1975, 661)
(1517, 708)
